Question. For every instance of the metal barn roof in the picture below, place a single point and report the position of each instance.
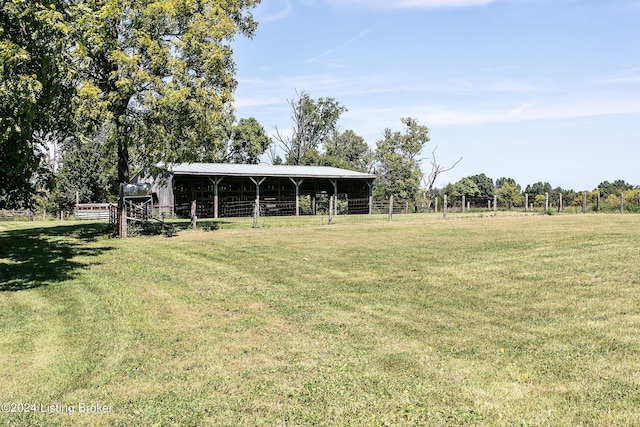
(261, 170)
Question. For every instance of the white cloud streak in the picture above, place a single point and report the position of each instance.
(343, 45)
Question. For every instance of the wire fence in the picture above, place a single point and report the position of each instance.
(365, 209)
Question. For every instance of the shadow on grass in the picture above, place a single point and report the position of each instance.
(35, 257)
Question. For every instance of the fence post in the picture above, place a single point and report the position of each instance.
(330, 210)
(194, 218)
(464, 202)
(526, 201)
(122, 224)
(622, 202)
(560, 202)
(256, 212)
(444, 207)
(546, 202)
(495, 204)
(436, 206)
(584, 202)
(390, 207)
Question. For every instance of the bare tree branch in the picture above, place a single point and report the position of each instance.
(436, 170)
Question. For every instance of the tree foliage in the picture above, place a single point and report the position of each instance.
(484, 184)
(248, 142)
(607, 188)
(510, 194)
(314, 121)
(538, 189)
(466, 187)
(36, 87)
(347, 150)
(397, 163)
(85, 170)
(159, 75)
(500, 182)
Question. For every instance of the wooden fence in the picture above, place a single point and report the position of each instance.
(93, 211)
(12, 215)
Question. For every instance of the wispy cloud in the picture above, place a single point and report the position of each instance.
(369, 120)
(343, 45)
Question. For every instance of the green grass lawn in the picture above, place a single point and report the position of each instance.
(508, 320)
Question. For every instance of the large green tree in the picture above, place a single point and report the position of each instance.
(397, 162)
(347, 150)
(485, 185)
(466, 187)
(159, 75)
(36, 88)
(607, 188)
(314, 121)
(509, 192)
(538, 189)
(247, 142)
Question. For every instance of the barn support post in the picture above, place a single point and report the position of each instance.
(370, 185)
(297, 183)
(216, 180)
(257, 182)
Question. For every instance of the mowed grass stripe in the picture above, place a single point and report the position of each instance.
(497, 320)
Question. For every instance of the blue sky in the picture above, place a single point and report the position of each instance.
(535, 90)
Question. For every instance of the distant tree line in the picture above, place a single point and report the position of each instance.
(510, 194)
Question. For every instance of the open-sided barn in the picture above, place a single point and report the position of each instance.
(222, 189)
